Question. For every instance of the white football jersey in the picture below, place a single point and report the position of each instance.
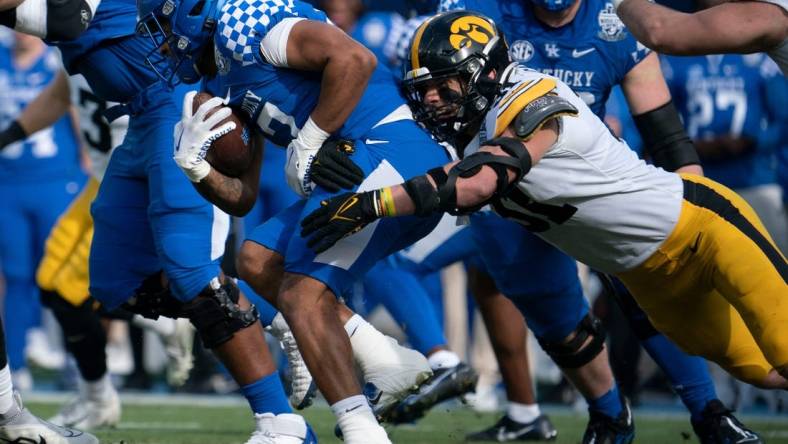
(590, 195)
(99, 136)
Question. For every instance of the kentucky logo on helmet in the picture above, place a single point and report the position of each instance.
(470, 28)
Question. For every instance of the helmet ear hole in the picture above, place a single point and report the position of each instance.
(197, 9)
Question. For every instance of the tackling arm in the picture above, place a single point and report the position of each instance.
(476, 179)
(734, 27)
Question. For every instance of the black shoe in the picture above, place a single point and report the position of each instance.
(719, 426)
(507, 429)
(603, 429)
(445, 383)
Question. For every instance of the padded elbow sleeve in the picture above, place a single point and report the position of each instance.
(51, 19)
(665, 139)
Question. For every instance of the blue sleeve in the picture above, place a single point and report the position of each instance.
(243, 24)
(631, 52)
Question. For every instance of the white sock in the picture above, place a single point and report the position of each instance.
(161, 326)
(99, 388)
(6, 390)
(522, 413)
(443, 359)
(357, 421)
(352, 324)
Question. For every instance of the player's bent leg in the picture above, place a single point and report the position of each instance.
(263, 269)
(310, 309)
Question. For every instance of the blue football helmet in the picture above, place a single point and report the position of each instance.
(179, 29)
(554, 5)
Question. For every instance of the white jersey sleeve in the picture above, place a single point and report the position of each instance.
(98, 136)
(589, 195)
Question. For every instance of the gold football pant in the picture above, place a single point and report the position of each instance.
(64, 267)
(717, 285)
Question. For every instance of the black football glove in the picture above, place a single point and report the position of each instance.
(13, 133)
(338, 217)
(332, 168)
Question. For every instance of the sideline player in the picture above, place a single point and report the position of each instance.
(659, 232)
(730, 27)
(332, 86)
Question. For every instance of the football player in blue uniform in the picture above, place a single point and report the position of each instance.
(402, 290)
(48, 163)
(733, 107)
(300, 80)
(157, 243)
(45, 164)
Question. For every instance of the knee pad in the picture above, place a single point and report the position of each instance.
(216, 315)
(215, 312)
(576, 352)
(51, 19)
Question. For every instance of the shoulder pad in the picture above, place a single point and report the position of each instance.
(539, 111)
(517, 97)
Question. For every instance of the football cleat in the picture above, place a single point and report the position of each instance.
(285, 428)
(603, 429)
(178, 347)
(719, 426)
(391, 371)
(303, 387)
(444, 384)
(19, 426)
(509, 430)
(84, 412)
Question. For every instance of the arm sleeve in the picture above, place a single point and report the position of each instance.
(273, 48)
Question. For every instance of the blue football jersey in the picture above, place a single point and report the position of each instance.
(732, 95)
(374, 30)
(113, 19)
(279, 100)
(49, 153)
(591, 54)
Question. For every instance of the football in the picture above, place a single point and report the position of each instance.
(230, 154)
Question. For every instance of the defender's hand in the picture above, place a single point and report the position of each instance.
(338, 217)
(332, 168)
(195, 133)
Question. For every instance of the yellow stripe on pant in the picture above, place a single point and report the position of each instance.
(717, 285)
(64, 267)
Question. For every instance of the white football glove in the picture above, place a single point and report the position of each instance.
(300, 153)
(195, 133)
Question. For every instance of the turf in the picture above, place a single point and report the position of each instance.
(190, 424)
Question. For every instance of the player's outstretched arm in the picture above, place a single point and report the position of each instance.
(457, 187)
(733, 27)
(46, 109)
(9, 4)
(346, 67)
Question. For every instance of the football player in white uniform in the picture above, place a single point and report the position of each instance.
(693, 253)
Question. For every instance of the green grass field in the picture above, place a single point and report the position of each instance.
(196, 424)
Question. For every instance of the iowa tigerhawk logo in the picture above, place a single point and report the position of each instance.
(468, 29)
